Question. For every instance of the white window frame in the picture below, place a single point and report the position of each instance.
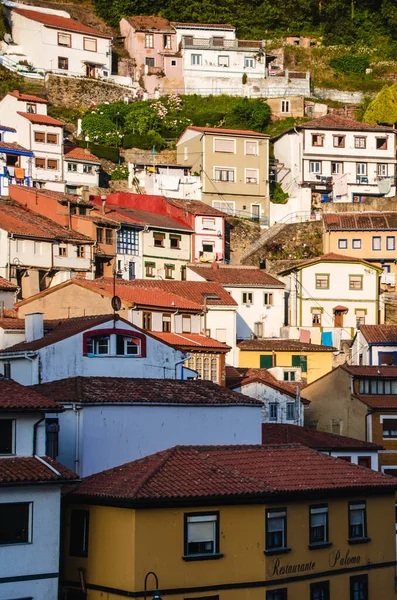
(230, 206)
(30, 523)
(224, 139)
(285, 107)
(249, 62)
(314, 171)
(149, 37)
(339, 168)
(208, 518)
(344, 245)
(361, 169)
(248, 300)
(382, 169)
(267, 296)
(222, 57)
(256, 142)
(251, 182)
(233, 169)
(196, 60)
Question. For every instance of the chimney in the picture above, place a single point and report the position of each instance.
(214, 266)
(85, 193)
(103, 198)
(34, 326)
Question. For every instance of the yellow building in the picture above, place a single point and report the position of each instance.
(313, 360)
(232, 522)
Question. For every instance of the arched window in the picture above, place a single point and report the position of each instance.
(114, 342)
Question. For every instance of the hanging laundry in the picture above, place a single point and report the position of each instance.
(316, 337)
(326, 338)
(304, 336)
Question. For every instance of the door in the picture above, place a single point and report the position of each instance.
(131, 270)
(255, 212)
(338, 318)
(90, 70)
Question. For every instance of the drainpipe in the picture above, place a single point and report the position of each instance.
(77, 440)
(180, 362)
(35, 427)
(9, 255)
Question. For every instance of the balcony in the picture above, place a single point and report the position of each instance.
(216, 43)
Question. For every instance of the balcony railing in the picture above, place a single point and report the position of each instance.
(220, 44)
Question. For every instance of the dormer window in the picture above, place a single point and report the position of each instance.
(127, 346)
(7, 436)
(31, 108)
(111, 343)
(98, 345)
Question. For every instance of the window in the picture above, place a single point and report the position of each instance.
(249, 62)
(195, 59)
(63, 63)
(360, 142)
(87, 168)
(208, 223)
(389, 427)
(319, 524)
(80, 252)
(15, 523)
(285, 106)
(316, 317)
(290, 405)
(52, 138)
(72, 167)
(79, 532)
(166, 323)
(64, 39)
(201, 534)
(158, 239)
(108, 236)
(361, 169)
(315, 167)
(173, 62)
(223, 61)
(317, 139)
(31, 108)
(360, 316)
(251, 175)
(52, 164)
(149, 269)
(175, 241)
(258, 329)
(336, 168)
(390, 242)
(266, 361)
(280, 594)
(39, 163)
(98, 345)
(99, 235)
(382, 170)
(342, 244)
(376, 242)
(7, 436)
(319, 590)
(150, 61)
(251, 148)
(289, 375)
(273, 411)
(127, 241)
(339, 141)
(39, 137)
(208, 247)
(381, 143)
(127, 346)
(149, 40)
(300, 361)
(218, 41)
(356, 244)
(224, 175)
(62, 250)
(365, 461)
(355, 282)
(169, 271)
(186, 324)
(247, 297)
(188, 40)
(147, 321)
(89, 44)
(322, 281)
(276, 529)
(224, 145)
(51, 437)
(268, 299)
(359, 587)
(357, 521)
(167, 42)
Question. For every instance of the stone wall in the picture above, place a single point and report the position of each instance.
(368, 204)
(239, 233)
(75, 92)
(136, 155)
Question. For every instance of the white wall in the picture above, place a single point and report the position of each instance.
(42, 555)
(220, 321)
(267, 395)
(272, 316)
(355, 456)
(24, 433)
(79, 178)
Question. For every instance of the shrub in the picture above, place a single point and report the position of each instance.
(350, 64)
(119, 172)
(278, 196)
(106, 152)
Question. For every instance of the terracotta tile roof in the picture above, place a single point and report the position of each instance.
(340, 307)
(379, 402)
(379, 333)
(14, 146)
(7, 286)
(58, 22)
(220, 131)
(12, 323)
(41, 119)
(360, 221)
(285, 433)
(369, 371)
(193, 341)
(60, 196)
(56, 330)
(14, 396)
(333, 121)
(191, 290)
(281, 345)
(150, 23)
(21, 221)
(239, 377)
(226, 472)
(121, 214)
(196, 207)
(32, 470)
(26, 97)
(5, 128)
(237, 276)
(109, 390)
(329, 257)
(204, 25)
(81, 154)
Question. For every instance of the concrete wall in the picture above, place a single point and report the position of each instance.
(268, 395)
(24, 434)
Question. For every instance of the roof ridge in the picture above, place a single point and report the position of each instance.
(169, 453)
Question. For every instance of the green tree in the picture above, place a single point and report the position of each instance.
(383, 109)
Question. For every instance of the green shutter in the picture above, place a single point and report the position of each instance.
(296, 360)
(304, 364)
(265, 361)
(300, 361)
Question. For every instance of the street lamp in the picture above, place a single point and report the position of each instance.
(156, 595)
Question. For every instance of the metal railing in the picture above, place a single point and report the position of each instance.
(244, 214)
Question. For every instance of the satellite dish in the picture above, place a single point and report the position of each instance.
(116, 303)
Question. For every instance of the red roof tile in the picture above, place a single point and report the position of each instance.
(110, 390)
(191, 340)
(14, 396)
(33, 470)
(12, 323)
(13, 146)
(240, 377)
(285, 433)
(7, 286)
(379, 333)
(191, 290)
(220, 131)
(196, 207)
(21, 221)
(241, 472)
(334, 121)
(121, 214)
(237, 276)
(58, 22)
(5, 128)
(363, 371)
(281, 345)
(329, 257)
(60, 196)
(27, 97)
(81, 154)
(40, 119)
(150, 23)
(204, 25)
(379, 402)
(360, 221)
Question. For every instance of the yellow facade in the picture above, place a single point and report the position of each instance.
(318, 363)
(124, 544)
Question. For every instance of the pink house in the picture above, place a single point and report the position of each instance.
(152, 43)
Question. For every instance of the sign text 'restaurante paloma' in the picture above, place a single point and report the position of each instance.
(337, 558)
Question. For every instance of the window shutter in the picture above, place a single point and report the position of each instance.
(222, 145)
(266, 361)
(296, 361)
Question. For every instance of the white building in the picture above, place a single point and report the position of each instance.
(375, 345)
(81, 169)
(50, 40)
(39, 134)
(88, 347)
(330, 295)
(258, 295)
(337, 159)
(30, 496)
(15, 160)
(171, 181)
(109, 420)
(8, 293)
